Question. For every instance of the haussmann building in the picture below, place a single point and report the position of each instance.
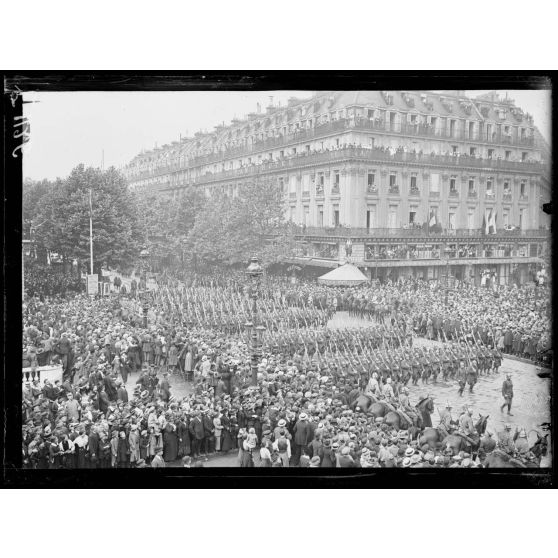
(410, 182)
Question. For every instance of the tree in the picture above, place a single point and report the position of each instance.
(64, 217)
(231, 229)
(166, 222)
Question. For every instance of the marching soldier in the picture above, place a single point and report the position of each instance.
(507, 392)
(471, 376)
(461, 376)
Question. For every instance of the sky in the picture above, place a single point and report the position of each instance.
(83, 127)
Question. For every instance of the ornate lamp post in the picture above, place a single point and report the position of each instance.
(447, 252)
(144, 255)
(254, 272)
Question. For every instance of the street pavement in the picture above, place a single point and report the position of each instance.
(530, 408)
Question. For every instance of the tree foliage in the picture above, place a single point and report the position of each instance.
(60, 213)
(231, 229)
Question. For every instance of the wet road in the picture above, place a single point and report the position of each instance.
(531, 402)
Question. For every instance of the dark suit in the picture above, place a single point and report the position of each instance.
(209, 429)
(197, 434)
(93, 449)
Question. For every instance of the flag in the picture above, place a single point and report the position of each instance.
(492, 222)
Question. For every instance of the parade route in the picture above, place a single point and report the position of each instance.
(531, 403)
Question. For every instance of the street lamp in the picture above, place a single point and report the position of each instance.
(254, 272)
(447, 252)
(144, 255)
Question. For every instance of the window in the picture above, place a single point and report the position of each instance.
(337, 142)
(471, 185)
(506, 187)
(471, 130)
(453, 184)
(392, 217)
(451, 219)
(489, 187)
(392, 179)
(371, 217)
(435, 182)
(452, 128)
(506, 218)
(524, 155)
(522, 223)
(471, 219)
(508, 155)
(473, 151)
(490, 153)
(336, 181)
(412, 216)
(271, 156)
(371, 178)
(307, 147)
(522, 189)
(281, 153)
(320, 215)
(294, 150)
(371, 113)
(336, 215)
(454, 149)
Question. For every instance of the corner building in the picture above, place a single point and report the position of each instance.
(418, 181)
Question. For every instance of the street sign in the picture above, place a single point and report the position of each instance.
(92, 284)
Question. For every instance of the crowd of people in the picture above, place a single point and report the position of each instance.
(50, 280)
(311, 404)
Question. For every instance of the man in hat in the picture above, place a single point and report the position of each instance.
(446, 420)
(158, 460)
(302, 437)
(505, 440)
(507, 392)
(466, 425)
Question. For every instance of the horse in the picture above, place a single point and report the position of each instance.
(426, 407)
(363, 402)
(500, 460)
(396, 421)
(458, 443)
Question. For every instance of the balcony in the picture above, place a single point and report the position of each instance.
(344, 232)
(367, 155)
(472, 194)
(507, 197)
(453, 194)
(433, 194)
(414, 192)
(393, 190)
(319, 191)
(335, 190)
(490, 196)
(371, 190)
(523, 198)
(329, 128)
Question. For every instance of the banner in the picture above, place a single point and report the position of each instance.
(92, 284)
